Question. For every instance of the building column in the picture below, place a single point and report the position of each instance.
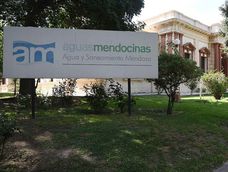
(225, 66)
(163, 42)
(181, 49)
(169, 41)
(217, 57)
(179, 36)
(167, 38)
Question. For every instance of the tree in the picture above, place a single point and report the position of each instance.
(224, 30)
(173, 71)
(1, 53)
(192, 85)
(97, 95)
(7, 129)
(216, 83)
(86, 14)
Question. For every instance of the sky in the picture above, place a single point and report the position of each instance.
(205, 11)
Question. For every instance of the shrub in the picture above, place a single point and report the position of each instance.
(192, 85)
(119, 97)
(43, 101)
(23, 101)
(64, 91)
(216, 83)
(97, 96)
(7, 129)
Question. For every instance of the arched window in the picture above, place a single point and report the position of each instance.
(204, 54)
(188, 49)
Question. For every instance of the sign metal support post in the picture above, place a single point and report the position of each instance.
(129, 96)
(33, 96)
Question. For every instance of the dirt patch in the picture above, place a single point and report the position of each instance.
(46, 136)
(66, 153)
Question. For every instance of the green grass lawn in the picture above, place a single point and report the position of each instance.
(6, 95)
(194, 138)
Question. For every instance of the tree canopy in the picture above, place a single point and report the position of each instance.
(173, 71)
(224, 30)
(78, 14)
(1, 53)
(83, 14)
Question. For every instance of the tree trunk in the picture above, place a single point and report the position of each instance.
(171, 103)
(26, 86)
(3, 147)
(15, 86)
(170, 106)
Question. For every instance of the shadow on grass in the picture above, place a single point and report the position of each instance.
(93, 143)
(68, 139)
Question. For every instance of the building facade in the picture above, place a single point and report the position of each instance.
(197, 41)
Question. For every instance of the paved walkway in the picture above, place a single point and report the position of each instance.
(224, 168)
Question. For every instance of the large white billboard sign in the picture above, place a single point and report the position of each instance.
(63, 53)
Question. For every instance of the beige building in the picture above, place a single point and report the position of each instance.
(4, 85)
(196, 41)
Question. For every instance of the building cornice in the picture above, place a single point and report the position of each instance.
(179, 18)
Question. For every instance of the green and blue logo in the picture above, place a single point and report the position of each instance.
(26, 52)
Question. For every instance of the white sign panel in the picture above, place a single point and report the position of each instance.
(63, 53)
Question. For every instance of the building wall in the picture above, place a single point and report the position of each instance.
(4, 83)
(170, 24)
(206, 40)
(138, 86)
